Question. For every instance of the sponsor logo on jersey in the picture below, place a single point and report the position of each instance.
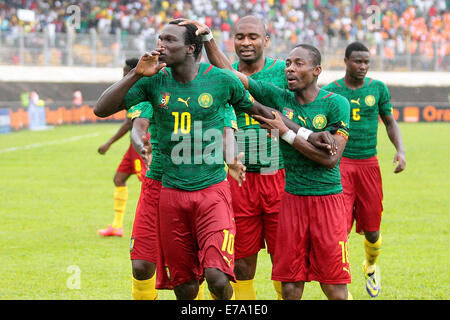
(319, 121)
(131, 244)
(205, 100)
(303, 120)
(186, 102)
(369, 100)
(164, 100)
(288, 113)
(355, 101)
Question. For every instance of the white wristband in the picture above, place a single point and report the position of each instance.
(304, 133)
(289, 137)
(207, 37)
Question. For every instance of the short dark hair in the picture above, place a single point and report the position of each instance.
(191, 38)
(131, 63)
(256, 20)
(313, 52)
(354, 46)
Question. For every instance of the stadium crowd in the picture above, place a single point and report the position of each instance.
(421, 26)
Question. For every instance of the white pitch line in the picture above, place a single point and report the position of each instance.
(50, 143)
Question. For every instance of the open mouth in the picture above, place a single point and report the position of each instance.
(291, 79)
(247, 52)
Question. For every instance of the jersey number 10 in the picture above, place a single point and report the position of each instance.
(182, 122)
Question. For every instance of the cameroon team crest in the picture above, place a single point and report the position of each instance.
(369, 100)
(164, 99)
(288, 113)
(205, 100)
(319, 121)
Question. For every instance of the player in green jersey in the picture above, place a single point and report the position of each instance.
(256, 204)
(311, 226)
(144, 241)
(361, 177)
(189, 100)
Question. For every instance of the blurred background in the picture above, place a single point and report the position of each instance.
(58, 49)
(403, 35)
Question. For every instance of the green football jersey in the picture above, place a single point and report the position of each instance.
(329, 112)
(253, 140)
(145, 110)
(189, 118)
(366, 103)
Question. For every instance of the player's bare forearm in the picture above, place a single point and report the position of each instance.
(111, 100)
(139, 129)
(395, 136)
(216, 56)
(230, 147)
(123, 130)
(321, 156)
(321, 140)
(393, 132)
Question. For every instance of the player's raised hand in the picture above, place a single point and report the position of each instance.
(146, 151)
(202, 29)
(237, 169)
(400, 160)
(148, 64)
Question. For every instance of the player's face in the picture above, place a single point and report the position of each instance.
(171, 45)
(358, 64)
(300, 70)
(125, 70)
(249, 41)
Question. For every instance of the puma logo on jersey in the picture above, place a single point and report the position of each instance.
(303, 120)
(227, 260)
(355, 101)
(186, 102)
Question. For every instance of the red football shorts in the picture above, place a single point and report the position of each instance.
(256, 205)
(144, 235)
(132, 163)
(196, 231)
(363, 192)
(312, 240)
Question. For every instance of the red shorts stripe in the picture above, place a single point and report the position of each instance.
(363, 193)
(196, 231)
(256, 205)
(132, 163)
(313, 237)
(144, 235)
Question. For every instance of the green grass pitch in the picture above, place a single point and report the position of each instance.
(56, 191)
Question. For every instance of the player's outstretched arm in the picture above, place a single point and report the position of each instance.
(302, 145)
(140, 141)
(124, 128)
(111, 100)
(322, 140)
(395, 136)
